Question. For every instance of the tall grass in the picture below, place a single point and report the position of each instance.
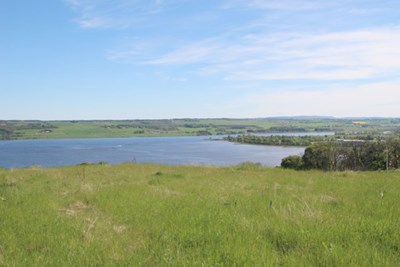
(153, 215)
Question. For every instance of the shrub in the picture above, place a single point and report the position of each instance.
(292, 162)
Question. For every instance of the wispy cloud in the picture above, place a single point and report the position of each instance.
(338, 41)
(264, 46)
(360, 54)
(377, 99)
(353, 6)
(288, 4)
(92, 14)
(275, 4)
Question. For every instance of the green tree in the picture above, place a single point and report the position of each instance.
(292, 162)
(320, 156)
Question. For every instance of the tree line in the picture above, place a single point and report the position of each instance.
(340, 155)
(278, 140)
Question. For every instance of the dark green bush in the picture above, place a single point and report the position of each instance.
(292, 162)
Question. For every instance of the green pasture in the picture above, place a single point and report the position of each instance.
(344, 128)
(154, 215)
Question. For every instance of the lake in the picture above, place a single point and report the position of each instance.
(188, 150)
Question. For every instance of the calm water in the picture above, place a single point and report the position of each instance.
(165, 150)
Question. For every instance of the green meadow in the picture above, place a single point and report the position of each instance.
(156, 215)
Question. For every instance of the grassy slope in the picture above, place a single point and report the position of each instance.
(152, 215)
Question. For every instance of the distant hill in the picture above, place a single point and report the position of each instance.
(303, 117)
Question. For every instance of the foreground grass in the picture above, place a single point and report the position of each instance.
(152, 215)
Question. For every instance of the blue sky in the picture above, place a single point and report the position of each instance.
(149, 59)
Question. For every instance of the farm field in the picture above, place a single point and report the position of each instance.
(158, 215)
(11, 130)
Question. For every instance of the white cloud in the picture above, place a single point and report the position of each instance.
(93, 14)
(356, 7)
(191, 54)
(249, 52)
(288, 4)
(379, 99)
(359, 54)
(93, 23)
(267, 49)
